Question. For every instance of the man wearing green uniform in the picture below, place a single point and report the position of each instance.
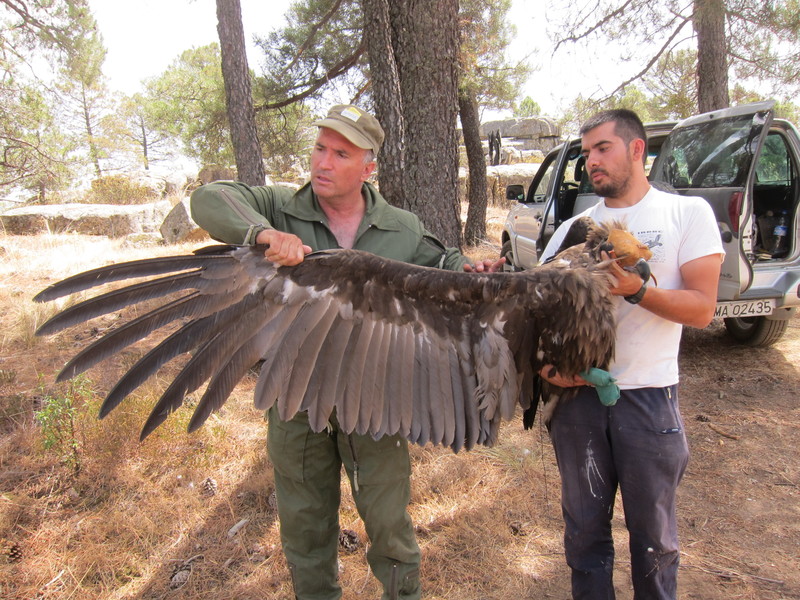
(337, 209)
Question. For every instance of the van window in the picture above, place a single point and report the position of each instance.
(775, 164)
(654, 144)
(711, 154)
(575, 169)
(543, 175)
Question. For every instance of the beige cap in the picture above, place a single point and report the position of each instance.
(356, 125)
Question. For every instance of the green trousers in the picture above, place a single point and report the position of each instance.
(307, 484)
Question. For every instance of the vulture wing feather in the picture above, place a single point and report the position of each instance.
(226, 379)
(321, 393)
(368, 399)
(349, 404)
(188, 337)
(125, 335)
(117, 299)
(208, 361)
(146, 267)
(380, 409)
(299, 354)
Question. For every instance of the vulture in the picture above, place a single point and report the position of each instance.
(437, 356)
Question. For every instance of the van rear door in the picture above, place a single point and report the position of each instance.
(713, 155)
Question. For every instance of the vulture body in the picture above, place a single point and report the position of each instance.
(437, 356)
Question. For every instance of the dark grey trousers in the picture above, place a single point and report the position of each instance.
(638, 446)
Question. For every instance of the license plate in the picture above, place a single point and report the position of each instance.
(745, 308)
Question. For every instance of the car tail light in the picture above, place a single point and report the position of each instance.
(735, 209)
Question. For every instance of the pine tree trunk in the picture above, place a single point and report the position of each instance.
(425, 35)
(388, 100)
(475, 229)
(145, 147)
(712, 62)
(94, 152)
(238, 94)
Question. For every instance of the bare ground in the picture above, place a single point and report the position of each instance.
(136, 521)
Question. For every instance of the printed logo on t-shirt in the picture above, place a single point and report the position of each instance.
(652, 239)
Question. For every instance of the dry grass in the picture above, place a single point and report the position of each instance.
(488, 521)
(490, 248)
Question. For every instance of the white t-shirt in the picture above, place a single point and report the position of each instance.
(677, 229)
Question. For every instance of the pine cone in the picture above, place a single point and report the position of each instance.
(182, 571)
(180, 575)
(348, 540)
(7, 376)
(209, 486)
(13, 552)
(518, 528)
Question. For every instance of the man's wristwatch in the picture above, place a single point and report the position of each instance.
(637, 297)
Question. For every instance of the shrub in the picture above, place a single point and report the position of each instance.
(118, 189)
(60, 417)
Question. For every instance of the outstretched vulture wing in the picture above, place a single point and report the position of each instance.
(434, 355)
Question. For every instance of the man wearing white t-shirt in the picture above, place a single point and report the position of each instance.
(637, 445)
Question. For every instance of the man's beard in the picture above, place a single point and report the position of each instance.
(611, 189)
(616, 186)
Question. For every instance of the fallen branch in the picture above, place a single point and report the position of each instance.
(728, 574)
(714, 569)
(54, 579)
(722, 432)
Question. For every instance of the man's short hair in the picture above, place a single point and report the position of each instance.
(627, 124)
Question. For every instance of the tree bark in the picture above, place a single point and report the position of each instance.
(388, 100)
(475, 229)
(94, 152)
(238, 93)
(145, 145)
(420, 121)
(712, 61)
(426, 53)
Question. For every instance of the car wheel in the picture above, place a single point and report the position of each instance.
(756, 331)
(508, 253)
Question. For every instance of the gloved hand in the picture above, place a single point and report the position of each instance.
(604, 383)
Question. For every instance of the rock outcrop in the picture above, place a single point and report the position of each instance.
(179, 227)
(534, 133)
(89, 219)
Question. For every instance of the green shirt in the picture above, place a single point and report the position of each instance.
(235, 213)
